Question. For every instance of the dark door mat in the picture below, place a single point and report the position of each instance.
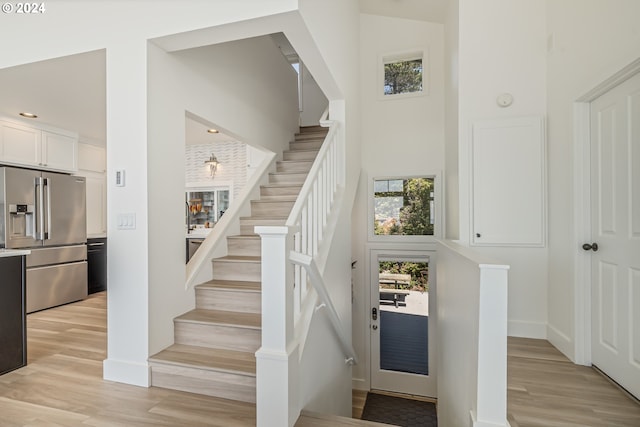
(398, 411)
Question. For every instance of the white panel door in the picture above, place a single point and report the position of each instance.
(615, 210)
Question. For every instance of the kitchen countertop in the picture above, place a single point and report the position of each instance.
(13, 252)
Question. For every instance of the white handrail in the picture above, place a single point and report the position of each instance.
(318, 284)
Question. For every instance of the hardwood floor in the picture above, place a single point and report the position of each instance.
(62, 385)
(546, 390)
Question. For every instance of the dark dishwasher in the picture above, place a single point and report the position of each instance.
(96, 265)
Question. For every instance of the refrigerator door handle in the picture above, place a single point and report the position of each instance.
(47, 230)
(39, 214)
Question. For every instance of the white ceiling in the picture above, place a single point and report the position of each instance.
(421, 10)
(70, 92)
(67, 92)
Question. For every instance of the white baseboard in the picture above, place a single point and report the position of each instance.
(561, 341)
(360, 384)
(518, 328)
(127, 372)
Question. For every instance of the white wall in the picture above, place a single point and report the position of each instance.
(591, 41)
(400, 137)
(502, 48)
(245, 87)
(313, 100)
(451, 181)
(325, 378)
(126, 130)
(232, 167)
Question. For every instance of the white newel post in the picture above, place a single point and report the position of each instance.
(491, 410)
(277, 358)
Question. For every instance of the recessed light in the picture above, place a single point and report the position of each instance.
(29, 115)
(213, 130)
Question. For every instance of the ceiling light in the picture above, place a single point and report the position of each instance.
(29, 115)
(213, 130)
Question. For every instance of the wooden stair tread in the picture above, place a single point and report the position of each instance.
(315, 419)
(289, 173)
(281, 185)
(238, 258)
(315, 150)
(236, 285)
(220, 317)
(244, 237)
(272, 199)
(295, 161)
(215, 359)
(262, 218)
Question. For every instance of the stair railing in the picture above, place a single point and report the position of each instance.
(293, 258)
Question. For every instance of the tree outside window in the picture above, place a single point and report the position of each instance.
(403, 77)
(404, 207)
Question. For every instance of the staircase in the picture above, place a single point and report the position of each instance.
(214, 344)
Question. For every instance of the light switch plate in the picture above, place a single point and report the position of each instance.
(126, 221)
(120, 178)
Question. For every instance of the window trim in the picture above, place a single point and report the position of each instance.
(407, 55)
(437, 199)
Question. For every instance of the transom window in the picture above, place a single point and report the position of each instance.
(403, 76)
(404, 206)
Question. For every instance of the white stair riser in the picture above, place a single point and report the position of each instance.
(294, 166)
(297, 178)
(230, 270)
(300, 155)
(306, 145)
(217, 336)
(292, 190)
(224, 299)
(244, 247)
(206, 382)
(271, 208)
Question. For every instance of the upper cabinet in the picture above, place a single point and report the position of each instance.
(91, 158)
(38, 147)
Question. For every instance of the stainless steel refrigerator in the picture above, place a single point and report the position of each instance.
(46, 213)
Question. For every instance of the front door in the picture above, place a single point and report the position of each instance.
(615, 246)
(402, 331)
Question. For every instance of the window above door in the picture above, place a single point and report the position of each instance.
(403, 209)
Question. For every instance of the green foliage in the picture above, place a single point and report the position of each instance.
(419, 272)
(406, 212)
(416, 212)
(403, 77)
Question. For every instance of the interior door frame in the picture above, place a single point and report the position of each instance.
(408, 250)
(582, 209)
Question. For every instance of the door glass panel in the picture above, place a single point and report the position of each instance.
(404, 316)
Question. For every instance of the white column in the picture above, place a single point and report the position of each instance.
(492, 347)
(277, 360)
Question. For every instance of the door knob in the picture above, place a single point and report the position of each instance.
(590, 247)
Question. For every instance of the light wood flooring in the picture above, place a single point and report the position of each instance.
(546, 390)
(62, 386)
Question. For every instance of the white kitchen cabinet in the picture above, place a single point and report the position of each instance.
(59, 152)
(37, 147)
(92, 165)
(91, 158)
(96, 204)
(19, 144)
